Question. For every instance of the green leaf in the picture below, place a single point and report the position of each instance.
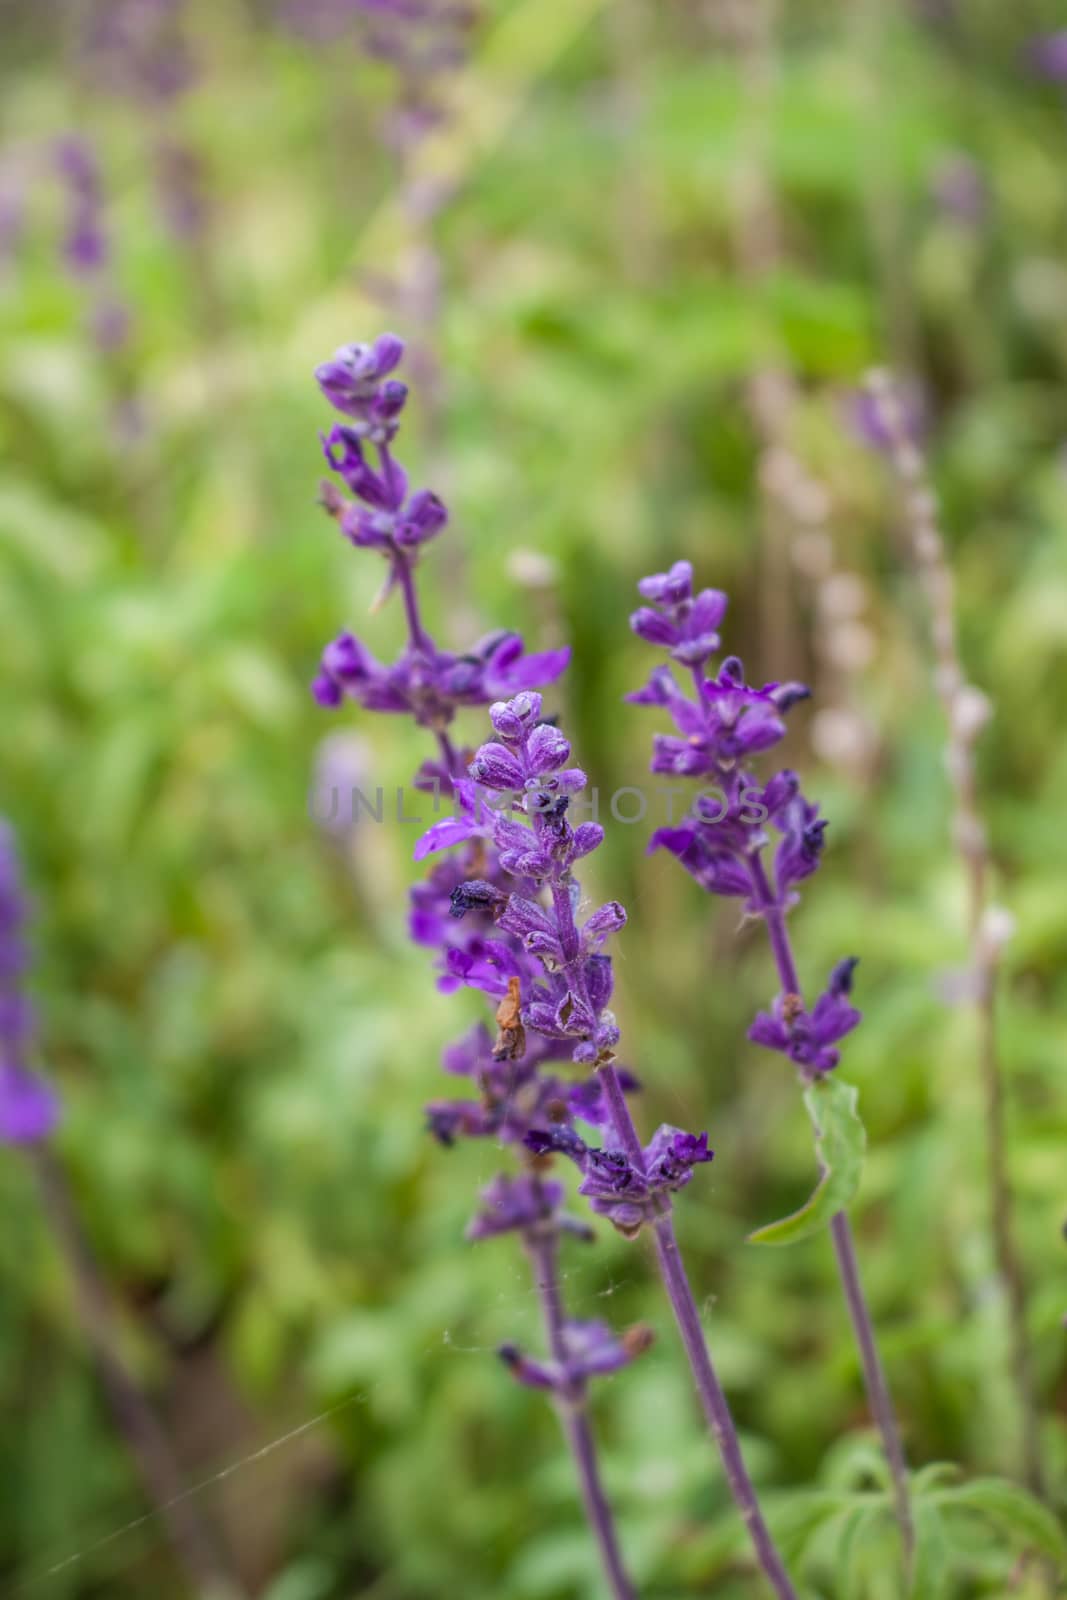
(931, 1555)
(934, 1477)
(1030, 1524)
(840, 1140)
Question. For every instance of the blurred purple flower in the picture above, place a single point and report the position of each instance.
(1046, 56)
(29, 1109)
(591, 1350)
(960, 190)
(864, 418)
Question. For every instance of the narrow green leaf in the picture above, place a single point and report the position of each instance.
(934, 1477)
(840, 1141)
(930, 1568)
(1026, 1521)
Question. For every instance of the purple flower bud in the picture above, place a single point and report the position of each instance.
(668, 588)
(600, 981)
(327, 691)
(525, 917)
(505, 722)
(495, 767)
(785, 696)
(589, 836)
(343, 449)
(351, 377)
(422, 520)
(391, 399)
(547, 750)
(653, 628)
(841, 976)
(607, 919)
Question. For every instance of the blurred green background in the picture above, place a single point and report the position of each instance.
(241, 1034)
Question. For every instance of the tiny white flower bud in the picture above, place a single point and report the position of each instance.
(971, 710)
(851, 646)
(842, 596)
(996, 928)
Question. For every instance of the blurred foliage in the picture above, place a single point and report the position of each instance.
(241, 1034)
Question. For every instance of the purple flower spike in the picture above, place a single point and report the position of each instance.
(29, 1109)
(427, 683)
(808, 1039)
(499, 911)
(676, 621)
(722, 840)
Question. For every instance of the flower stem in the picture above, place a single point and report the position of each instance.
(712, 1399)
(574, 1419)
(878, 1397)
(420, 639)
(193, 1542)
(715, 1407)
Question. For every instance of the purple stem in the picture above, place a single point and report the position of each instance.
(878, 1396)
(574, 1420)
(712, 1399)
(449, 757)
(420, 639)
(193, 1543)
(715, 1406)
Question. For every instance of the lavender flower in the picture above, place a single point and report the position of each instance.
(85, 246)
(426, 683)
(722, 843)
(29, 1110)
(475, 909)
(505, 916)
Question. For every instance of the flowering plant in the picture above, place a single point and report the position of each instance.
(722, 723)
(505, 915)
